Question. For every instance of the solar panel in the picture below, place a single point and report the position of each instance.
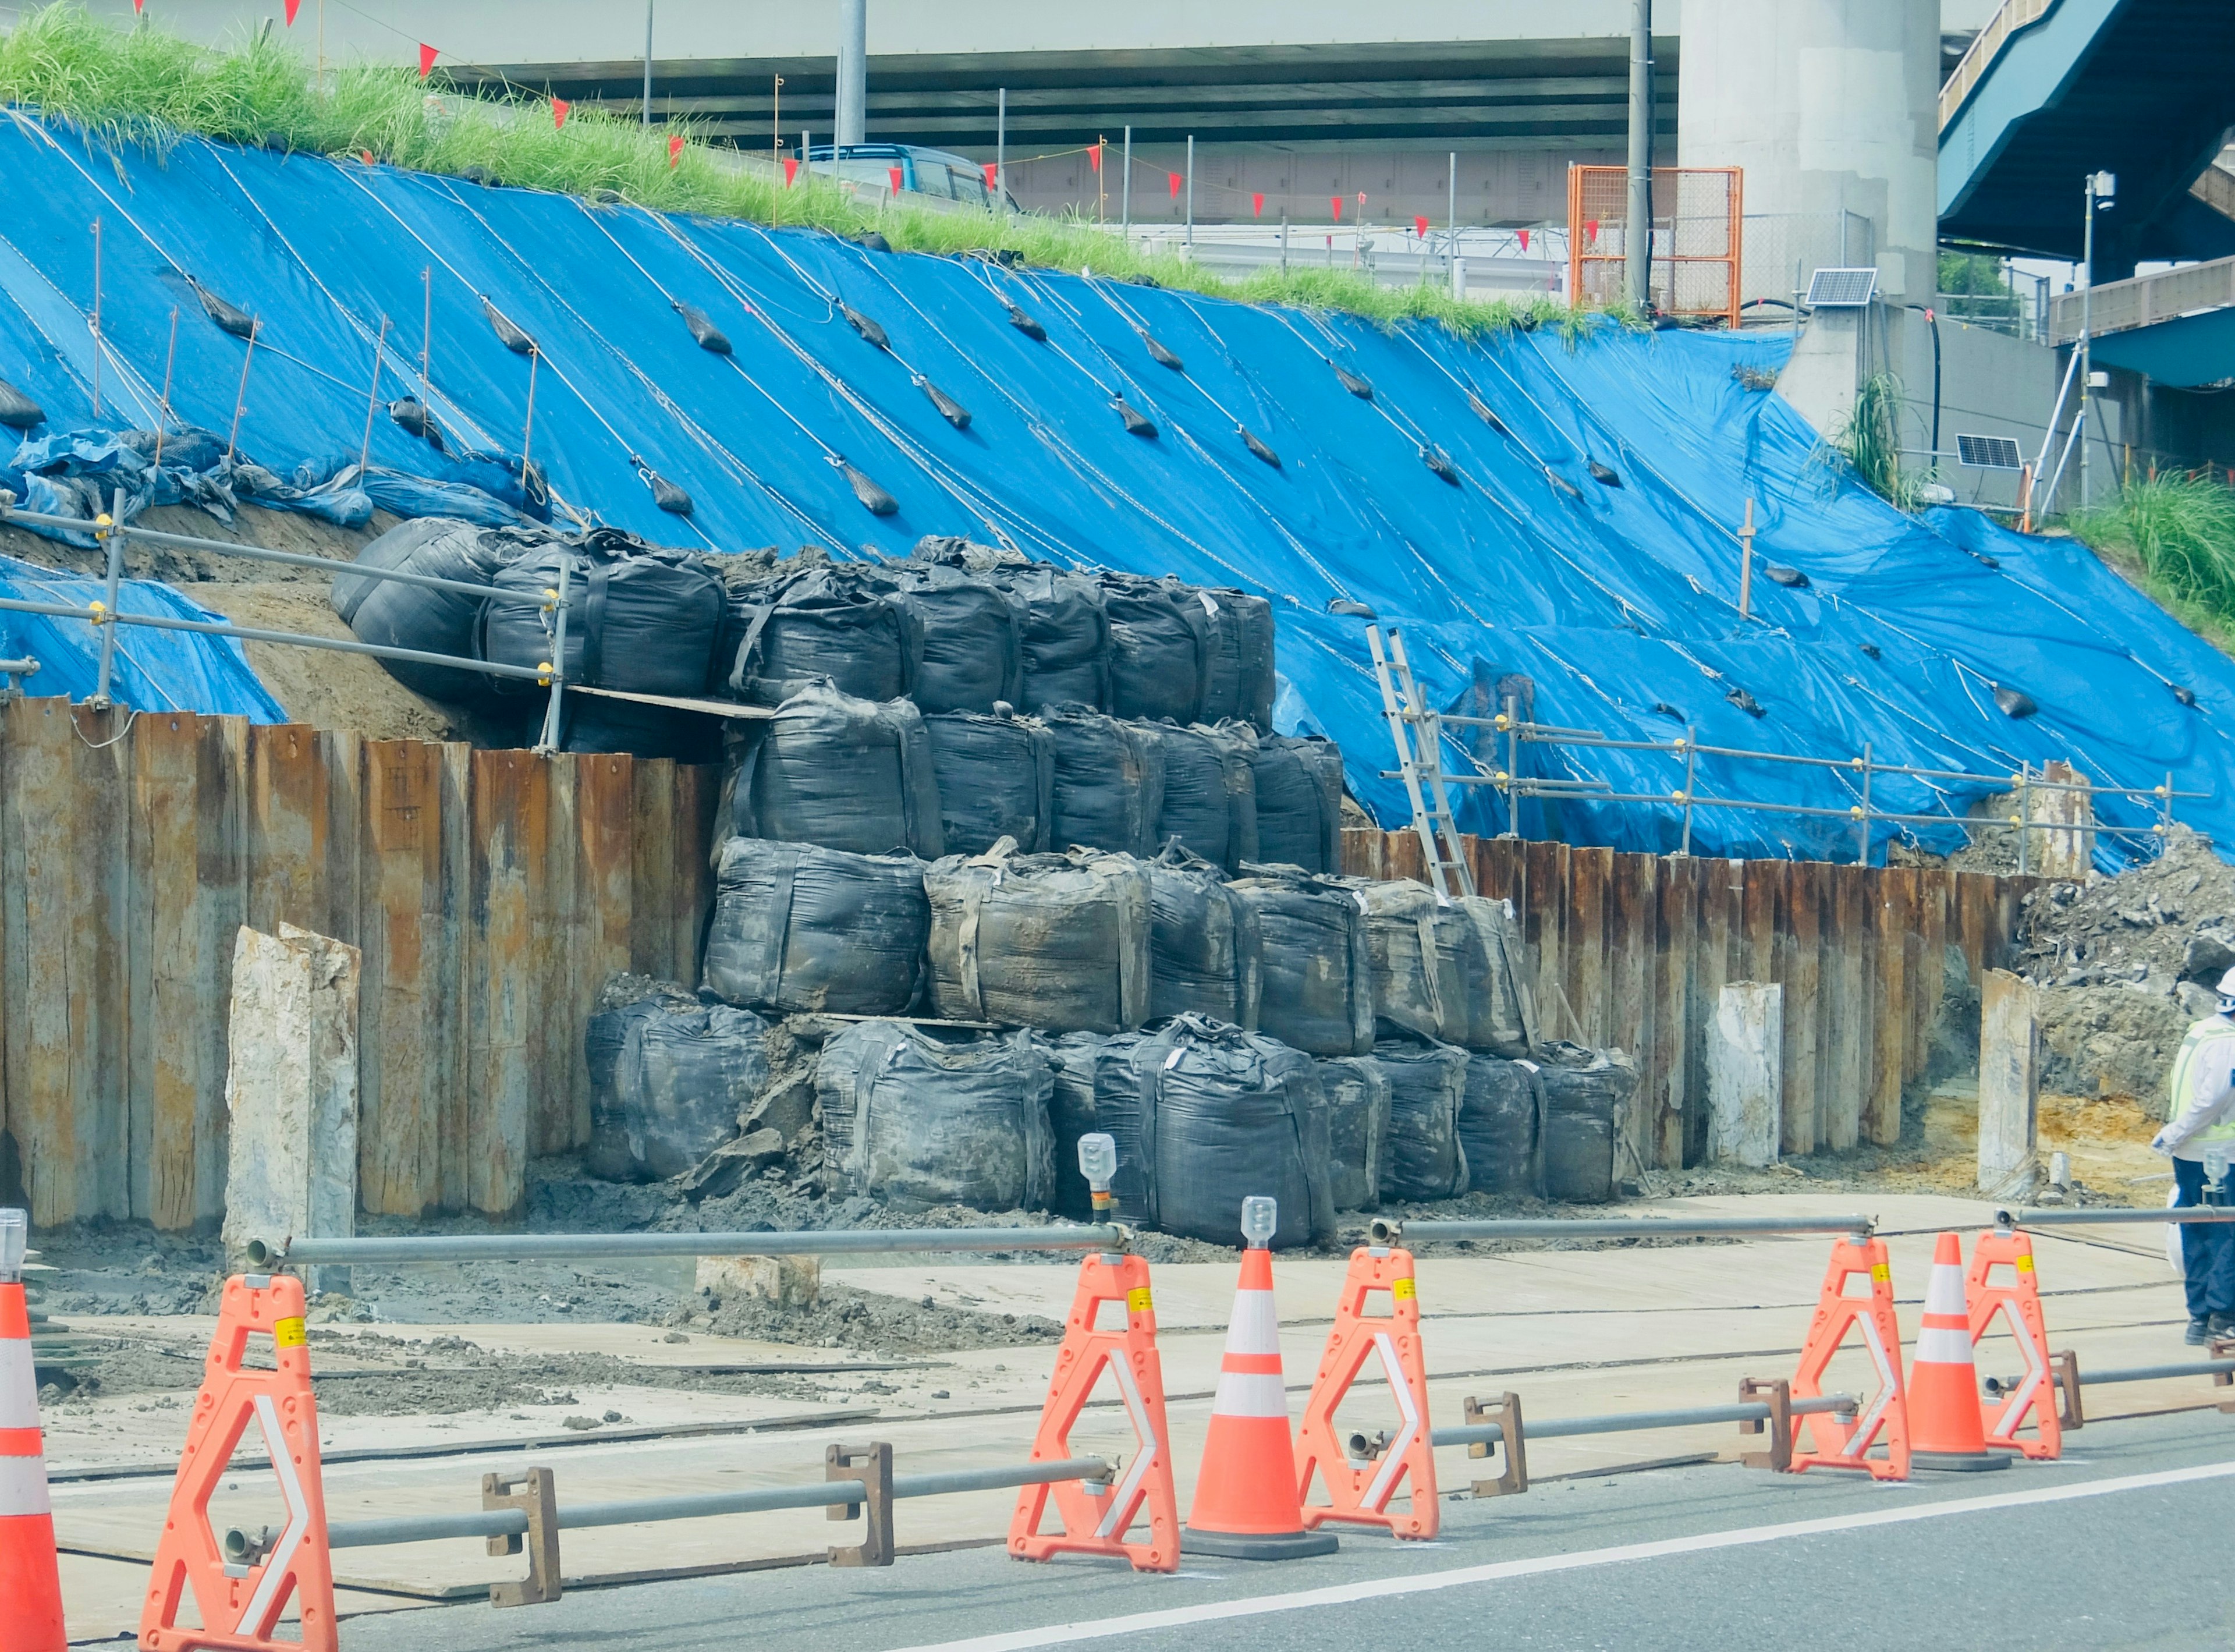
(1842, 289)
(1988, 453)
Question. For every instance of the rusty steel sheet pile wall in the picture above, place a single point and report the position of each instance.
(1632, 950)
(491, 893)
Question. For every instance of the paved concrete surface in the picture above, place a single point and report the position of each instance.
(2122, 1544)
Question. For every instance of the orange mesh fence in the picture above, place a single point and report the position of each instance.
(1698, 239)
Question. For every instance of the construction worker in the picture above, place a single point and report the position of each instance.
(2199, 1137)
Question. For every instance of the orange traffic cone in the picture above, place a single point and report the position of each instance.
(30, 1584)
(1245, 1494)
(1946, 1430)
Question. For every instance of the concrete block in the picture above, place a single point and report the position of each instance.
(290, 1092)
(2010, 1086)
(1746, 1073)
(789, 1281)
(2065, 853)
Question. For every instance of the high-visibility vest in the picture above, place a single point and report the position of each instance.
(2202, 1037)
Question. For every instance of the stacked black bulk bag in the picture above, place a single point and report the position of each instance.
(1422, 1157)
(1108, 789)
(1587, 1093)
(996, 776)
(839, 772)
(1505, 1015)
(1427, 960)
(1210, 792)
(1065, 635)
(638, 619)
(1074, 1060)
(1055, 942)
(917, 1121)
(1357, 1091)
(1238, 664)
(845, 621)
(1298, 786)
(1204, 955)
(799, 929)
(1159, 647)
(969, 632)
(1502, 1126)
(391, 614)
(1317, 989)
(1214, 1115)
(669, 1079)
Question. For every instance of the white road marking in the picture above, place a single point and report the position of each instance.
(1460, 1577)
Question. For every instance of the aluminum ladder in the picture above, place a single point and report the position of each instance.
(1418, 733)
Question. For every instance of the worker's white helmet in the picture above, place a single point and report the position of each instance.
(2227, 991)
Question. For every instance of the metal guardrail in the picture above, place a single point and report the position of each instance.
(266, 1253)
(1385, 1231)
(2113, 1218)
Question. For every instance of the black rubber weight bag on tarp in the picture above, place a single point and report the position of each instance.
(1357, 1091)
(391, 614)
(839, 772)
(1317, 994)
(1216, 1115)
(669, 1077)
(1298, 787)
(917, 1122)
(970, 650)
(1066, 635)
(1204, 955)
(1159, 647)
(843, 622)
(1210, 792)
(1421, 1156)
(800, 928)
(1502, 1126)
(1108, 787)
(1055, 942)
(996, 778)
(1238, 659)
(1586, 1094)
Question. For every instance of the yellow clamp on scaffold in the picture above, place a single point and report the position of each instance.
(543, 672)
(104, 525)
(98, 613)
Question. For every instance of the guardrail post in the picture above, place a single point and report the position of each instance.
(535, 1493)
(2025, 819)
(1505, 1412)
(871, 1465)
(2070, 1416)
(1778, 1396)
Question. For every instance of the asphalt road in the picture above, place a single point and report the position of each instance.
(2123, 1544)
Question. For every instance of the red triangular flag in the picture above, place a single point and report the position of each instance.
(1094, 156)
(674, 149)
(893, 172)
(1337, 199)
(139, 5)
(1257, 205)
(1362, 201)
(427, 55)
(991, 181)
(1591, 229)
(1173, 178)
(560, 108)
(790, 170)
(1524, 241)
(367, 154)
(293, 6)
(1420, 227)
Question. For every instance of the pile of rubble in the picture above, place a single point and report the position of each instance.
(2125, 964)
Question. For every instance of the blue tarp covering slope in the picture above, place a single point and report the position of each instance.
(1617, 601)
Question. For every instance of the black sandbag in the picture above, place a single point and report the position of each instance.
(596, 724)
(1159, 647)
(1502, 1126)
(800, 928)
(996, 776)
(1586, 1094)
(1317, 994)
(1074, 1059)
(637, 618)
(1505, 1013)
(917, 1121)
(1217, 1115)
(709, 337)
(1435, 973)
(668, 1078)
(1109, 786)
(1357, 1091)
(1204, 955)
(1423, 1157)
(17, 410)
(969, 653)
(1065, 636)
(409, 413)
(1210, 792)
(1298, 782)
(840, 772)
(1055, 942)
(844, 622)
(391, 614)
(1238, 660)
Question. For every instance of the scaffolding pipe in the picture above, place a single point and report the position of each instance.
(2193, 1213)
(1622, 1422)
(853, 72)
(583, 1246)
(1383, 1231)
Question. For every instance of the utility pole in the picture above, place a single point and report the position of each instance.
(1190, 194)
(1002, 154)
(1125, 188)
(853, 71)
(1637, 241)
(647, 61)
(2101, 188)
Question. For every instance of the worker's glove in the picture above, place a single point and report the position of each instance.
(2158, 1145)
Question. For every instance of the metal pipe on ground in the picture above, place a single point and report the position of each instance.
(577, 1247)
(1622, 1422)
(1383, 1231)
(1996, 1386)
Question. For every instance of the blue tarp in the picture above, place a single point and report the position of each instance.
(1619, 602)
